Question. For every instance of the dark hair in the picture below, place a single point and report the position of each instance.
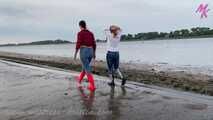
(82, 23)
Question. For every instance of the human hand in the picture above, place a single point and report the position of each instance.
(94, 56)
(75, 56)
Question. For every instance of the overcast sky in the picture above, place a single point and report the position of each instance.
(35, 20)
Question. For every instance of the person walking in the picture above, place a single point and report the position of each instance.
(87, 45)
(113, 35)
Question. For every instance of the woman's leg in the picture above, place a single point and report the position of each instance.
(116, 65)
(91, 82)
(117, 62)
(88, 69)
(83, 72)
(109, 58)
(81, 77)
(119, 73)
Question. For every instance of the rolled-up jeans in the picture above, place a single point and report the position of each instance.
(112, 61)
(86, 55)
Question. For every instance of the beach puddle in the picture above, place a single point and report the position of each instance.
(196, 106)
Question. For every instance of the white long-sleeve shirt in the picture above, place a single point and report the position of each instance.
(113, 42)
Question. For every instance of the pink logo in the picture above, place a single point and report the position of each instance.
(203, 10)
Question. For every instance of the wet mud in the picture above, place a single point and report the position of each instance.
(53, 95)
(148, 74)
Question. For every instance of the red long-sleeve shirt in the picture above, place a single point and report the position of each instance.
(86, 38)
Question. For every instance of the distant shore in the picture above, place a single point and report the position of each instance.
(196, 37)
(99, 41)
(196, 32)
(186, 78)
(45, 42)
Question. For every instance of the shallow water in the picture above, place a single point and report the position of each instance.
(195, 52)
(51, 94)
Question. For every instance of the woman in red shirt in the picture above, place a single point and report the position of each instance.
(87, 45)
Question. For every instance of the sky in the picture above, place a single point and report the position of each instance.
(35, 20)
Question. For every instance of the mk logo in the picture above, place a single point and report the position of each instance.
(203, 10)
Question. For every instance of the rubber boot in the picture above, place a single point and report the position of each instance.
(123, 82)
(80, 78)
(119, 73)
(122, 77)
(112, 83)
(91, 86)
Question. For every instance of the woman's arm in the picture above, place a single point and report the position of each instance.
(78, 45)
(107, 33)
(94, 47)
(75, 55)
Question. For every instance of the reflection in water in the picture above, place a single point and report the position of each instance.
(69, 89)
(87, 112)
(115, 104)
(87, 100)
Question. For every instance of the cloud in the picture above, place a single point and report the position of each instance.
(30, 20)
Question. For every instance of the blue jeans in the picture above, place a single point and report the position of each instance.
(112, 61)
(86, 55)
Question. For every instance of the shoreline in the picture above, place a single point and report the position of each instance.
(180, 38)
(180, 78)
(34, 92)
(133, 40)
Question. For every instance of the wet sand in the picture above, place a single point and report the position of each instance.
(187, 78)
(32, 93)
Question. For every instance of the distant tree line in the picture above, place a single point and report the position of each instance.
(198, 32)
(177, 34)
(45, 42)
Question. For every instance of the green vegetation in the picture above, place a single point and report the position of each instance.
(45, 42)
(198, 32)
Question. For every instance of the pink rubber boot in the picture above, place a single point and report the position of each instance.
(91, 86)
(80, 78)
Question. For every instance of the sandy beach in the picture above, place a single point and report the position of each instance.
(32, 93)
(195, 79)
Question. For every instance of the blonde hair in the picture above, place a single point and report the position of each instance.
(113, 29)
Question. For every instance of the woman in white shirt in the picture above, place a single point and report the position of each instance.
(113, 35)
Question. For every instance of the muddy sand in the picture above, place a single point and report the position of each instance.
(34, 93)
(187, 78)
